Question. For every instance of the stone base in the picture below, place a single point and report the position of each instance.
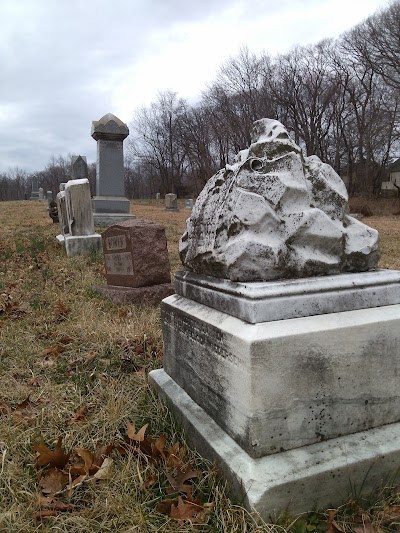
(300, 480)
(171, 209)
(276, 386)
(104, 220)
(83, 244)
(111, 204)
(151, 295)
(60, 239)
(257, 302)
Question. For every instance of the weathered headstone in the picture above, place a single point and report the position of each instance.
(281, 347)
(49, 196)
(158, 196)
(41, 193)
(79, 167)
(136, 261)
(110, 205)
(81, 238)
(189, 203)
(171, 202)
(35, 189)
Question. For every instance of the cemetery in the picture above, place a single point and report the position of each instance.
(234, 362)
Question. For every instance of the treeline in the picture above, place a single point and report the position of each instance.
(16, 184)
(338, 98)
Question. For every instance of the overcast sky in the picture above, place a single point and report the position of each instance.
(64, 63)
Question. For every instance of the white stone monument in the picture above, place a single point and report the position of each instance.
(282, 344)
(81, 238)
(110, 204)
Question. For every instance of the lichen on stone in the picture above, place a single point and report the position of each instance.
(275, 214)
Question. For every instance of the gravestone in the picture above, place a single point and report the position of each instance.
(158, 196)
(281, 346)
(62, 215)
(79, 167)
(41, 194)
(171, 203)
(110, 204)
(49, 196)
(81, 238)
(136, 262)
(35, 189)
(189, 203)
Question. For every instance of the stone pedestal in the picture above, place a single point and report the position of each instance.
(294, 401)
(110, 205)
(35, 189)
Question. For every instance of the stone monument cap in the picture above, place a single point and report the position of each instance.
(109, 127)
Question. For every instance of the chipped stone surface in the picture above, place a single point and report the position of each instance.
(275, 214)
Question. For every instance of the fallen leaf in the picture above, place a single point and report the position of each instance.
(333, 527)
(60, 309)
(46, 502)
(24, 404)
(54, 481)
(164, 506)
(184, 511)
(55, 457)
(54, 350)
(178, 483)
(90, 357)
(104, 471)
(79, 414)
(150, 480)
(139, 436)
(39, 515)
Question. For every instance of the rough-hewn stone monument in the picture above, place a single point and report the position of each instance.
(137, 264)
(282, 344)
(110, 204)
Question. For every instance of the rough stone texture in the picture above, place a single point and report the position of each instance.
(276, 386)
(135, 254)
(275, 214)
(171, 203)
(296, 481)
(79, 167)
(256, 302)
(151, 295)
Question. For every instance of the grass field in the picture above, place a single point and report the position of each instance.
(73, 365)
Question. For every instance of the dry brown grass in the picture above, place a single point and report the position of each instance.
(79, 350)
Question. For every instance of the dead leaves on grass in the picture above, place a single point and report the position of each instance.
(61, 472)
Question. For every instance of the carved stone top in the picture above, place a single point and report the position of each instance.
(275, 214)
(109, 127)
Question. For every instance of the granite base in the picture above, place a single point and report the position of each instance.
(151, 295)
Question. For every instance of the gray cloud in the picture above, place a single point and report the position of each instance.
(61, 63)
